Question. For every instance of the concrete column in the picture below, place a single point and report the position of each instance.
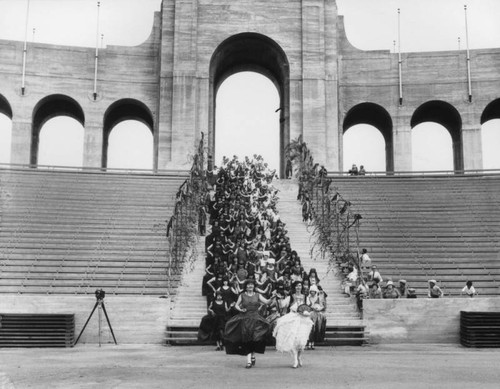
(92, 146)
(472, 147)
(332, 127)
(402, 147)
(313, 76)
(183, 121)
(21, 141)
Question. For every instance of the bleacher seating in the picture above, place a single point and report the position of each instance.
(430, 227)
(70, 232)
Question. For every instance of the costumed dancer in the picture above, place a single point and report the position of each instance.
(292, 330)
(246, 333)
(212, 325)
(317, 316)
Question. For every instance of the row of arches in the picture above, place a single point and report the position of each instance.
(436, 137)
(58, 130)
(58, 133)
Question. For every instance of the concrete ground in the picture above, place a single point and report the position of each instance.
(146, 366)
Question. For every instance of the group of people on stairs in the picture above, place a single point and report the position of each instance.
(257, 290)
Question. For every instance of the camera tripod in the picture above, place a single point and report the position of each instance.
(98, 304)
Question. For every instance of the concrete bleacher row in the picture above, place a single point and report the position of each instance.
(434, 227)
(72, 232)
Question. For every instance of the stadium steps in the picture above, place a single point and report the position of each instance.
(70, 232)
(434, 227)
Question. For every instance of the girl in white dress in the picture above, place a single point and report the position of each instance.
(292, 330)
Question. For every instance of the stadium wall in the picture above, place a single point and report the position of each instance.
(135, 320)
(421, 320)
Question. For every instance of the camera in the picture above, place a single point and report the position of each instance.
(99, 294)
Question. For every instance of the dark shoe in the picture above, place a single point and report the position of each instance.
(218, 348)
(248, 366)
(253, 361)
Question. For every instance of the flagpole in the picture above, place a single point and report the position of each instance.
(469, 84)
(25, 49)
(399, 60)
(96, 51)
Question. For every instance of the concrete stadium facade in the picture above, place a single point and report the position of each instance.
(325, 84)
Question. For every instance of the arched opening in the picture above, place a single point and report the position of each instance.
(125, 121)
(130, 146)
(490, 135)
(430, 145)
(432, 148)
(364, 145)
(61, 142)
(5, 130)
(256, 53)
(247, 123)
(49, 108)
(364, 142)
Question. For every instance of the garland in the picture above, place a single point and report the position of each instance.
(334, 226)
(183, 228)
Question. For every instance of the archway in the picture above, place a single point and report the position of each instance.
(375, 116)
(49, 108)
(246, 123)
(490, 135)
(61, 142)
(260, 54)
(447, 116)
(5, 130)
(127, 112)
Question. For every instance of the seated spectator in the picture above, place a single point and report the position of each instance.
(412, 294)
(375, 291)
(434, 290)
(366, 262)
(362, 292)
(374, 275)
(362, 171)
(403, 288)
(354, 170)
(350, 280)
(390, 291)
(469, 290)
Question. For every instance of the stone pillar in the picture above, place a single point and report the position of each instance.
(472, 147)
(21, 141)
(313, 79)
(402, 145)
(92, 145)
(163, 134)
(332, 125)
(184, 84)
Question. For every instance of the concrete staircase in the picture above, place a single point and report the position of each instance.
(344, 325)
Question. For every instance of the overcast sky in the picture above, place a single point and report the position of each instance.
(426, 25)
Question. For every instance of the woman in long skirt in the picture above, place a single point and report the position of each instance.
(245, 333)
(317, 315)
(292, 332)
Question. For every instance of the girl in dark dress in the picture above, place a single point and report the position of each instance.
(212, 325)
(246, 333)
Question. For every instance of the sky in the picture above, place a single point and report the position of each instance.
(426, 25)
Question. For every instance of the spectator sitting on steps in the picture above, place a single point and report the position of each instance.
(375, 291)
(374, 275)
(354, 170)
(434, 290)
(362, 171)
(469, 290)
(390, 291)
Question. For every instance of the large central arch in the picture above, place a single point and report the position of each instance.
(257, 53)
